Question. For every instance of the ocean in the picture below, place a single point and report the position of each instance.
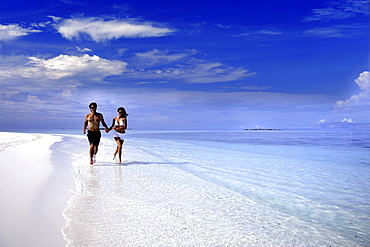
(222, 188)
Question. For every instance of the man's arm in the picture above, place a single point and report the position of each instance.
(103, 122)
(85, 124)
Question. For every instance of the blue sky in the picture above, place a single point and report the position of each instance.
(185, 64)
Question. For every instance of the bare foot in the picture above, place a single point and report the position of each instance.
(91, 162)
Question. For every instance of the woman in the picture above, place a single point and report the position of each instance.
(119, 126)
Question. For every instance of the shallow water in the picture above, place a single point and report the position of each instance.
(223, 189)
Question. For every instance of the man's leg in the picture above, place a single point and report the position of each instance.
(96, 146)
(96, 149)
(94, 138)
(92, 153)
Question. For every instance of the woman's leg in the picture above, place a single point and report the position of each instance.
(118, 149)
(115, 151)
(120, 152)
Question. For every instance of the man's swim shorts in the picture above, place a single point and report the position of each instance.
(94, 137)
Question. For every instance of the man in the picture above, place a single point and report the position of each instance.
(92, 121)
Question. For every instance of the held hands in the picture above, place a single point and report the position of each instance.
(115, 128)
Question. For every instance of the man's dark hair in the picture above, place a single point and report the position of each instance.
(93, 104)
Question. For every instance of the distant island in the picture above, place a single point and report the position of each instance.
(264, 129)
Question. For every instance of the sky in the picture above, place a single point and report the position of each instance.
(189, 64)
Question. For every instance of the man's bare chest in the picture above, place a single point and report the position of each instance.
(94, 118)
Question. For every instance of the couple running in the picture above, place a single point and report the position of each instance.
(92, 122)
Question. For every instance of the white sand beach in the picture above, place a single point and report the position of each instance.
(179, 192)
(34, 190)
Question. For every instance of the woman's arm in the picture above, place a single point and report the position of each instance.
(111, 127)
(125, 122)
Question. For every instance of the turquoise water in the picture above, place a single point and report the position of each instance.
(222, 188)
(322, 178)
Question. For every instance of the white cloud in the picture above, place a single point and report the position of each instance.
(339, 10)
(13, 31)
(215, 72)
(328, 14)
(254, 88)
(55, 18)
(63, 66)
(337, 31)
(363, 82)
(322, 121)
(185, 67)
(214, 99)
(197, 72)
(223, 26)
(154, 57)
(172, 107)
(347, 120)
(271, 31)
(198, 27)
(121, 51)
(206, 108)
(267, 31)
(100, 30)
(33, 102)
(49, 85)
(83, 49)
(354, 109)
(324, 32)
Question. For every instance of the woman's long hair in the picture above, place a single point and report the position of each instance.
(123, 110)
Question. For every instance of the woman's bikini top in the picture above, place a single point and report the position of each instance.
(118, 124)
